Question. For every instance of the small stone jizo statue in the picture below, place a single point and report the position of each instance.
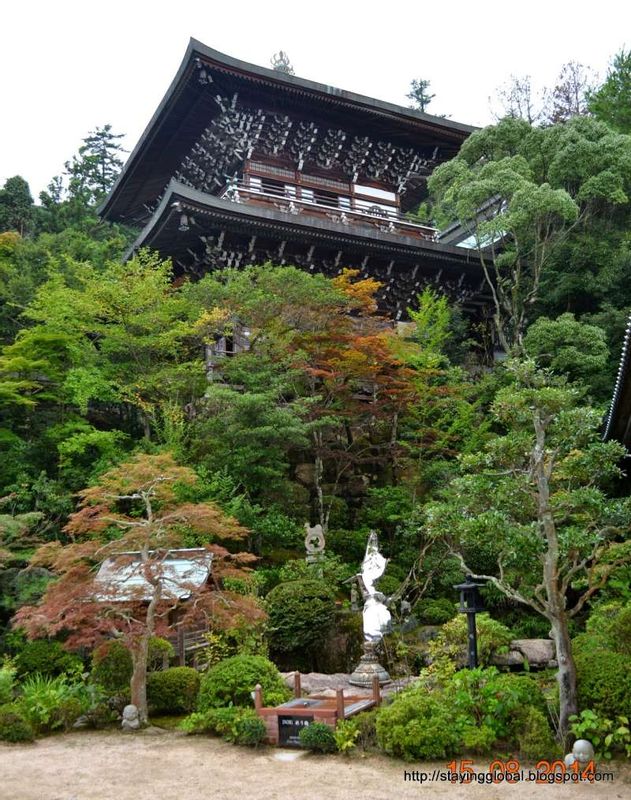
(130, 722)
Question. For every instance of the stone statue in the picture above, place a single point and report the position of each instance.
(130, 718)
(582, 751)
(377, 618)
(314, 543)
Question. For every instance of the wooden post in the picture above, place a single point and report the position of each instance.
(180, 646)
(376, 690)
(297, 685)
(258, 697)
(339, 703)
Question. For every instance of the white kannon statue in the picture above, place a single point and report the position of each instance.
(376, 616)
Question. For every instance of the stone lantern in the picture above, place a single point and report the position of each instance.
(470, 604)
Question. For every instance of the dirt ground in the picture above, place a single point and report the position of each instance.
(170, 766)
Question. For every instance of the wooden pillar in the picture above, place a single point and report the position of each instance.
(180, 646)
(339, 703)
(258, 697)
(297, 685)
(376, 690)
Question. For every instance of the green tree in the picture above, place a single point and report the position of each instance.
(529, 513)
(568, 347)
(419, 94)
(16, 206)
(525, 192)
(611, 102)
(94, 169)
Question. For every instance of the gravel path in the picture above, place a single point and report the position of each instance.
(169, 766)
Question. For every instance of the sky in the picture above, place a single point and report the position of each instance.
(69, 66)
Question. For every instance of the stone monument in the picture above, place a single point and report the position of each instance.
(376, 617)
(314, 543)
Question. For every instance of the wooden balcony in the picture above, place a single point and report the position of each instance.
(337, 210)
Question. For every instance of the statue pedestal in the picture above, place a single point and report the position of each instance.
(368, 667)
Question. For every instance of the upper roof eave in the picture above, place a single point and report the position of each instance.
(198, 50)
(332, 92)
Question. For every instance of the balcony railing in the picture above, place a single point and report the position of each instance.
(386, 220)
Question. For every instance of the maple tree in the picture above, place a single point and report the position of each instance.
(359, 387)
(136, 513)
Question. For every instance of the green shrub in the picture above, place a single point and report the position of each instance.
(195, 723)
(366, 726)
(67, 713)
(417, 725)
(604, 682)
(241, 640)
(435, 612)
(7, 680)
(533, 735)
(318, 737)
(222, 720)
(606, 735)
(610, 624)
(346, 735)
(14, 726)
(234, 724)
(112, 667)
(232, 681)
(173, 690)
(100, 715)
(160, 653)
(487, 705)
(249, 729)
(45, 657)
(50, 703)
(301, 613)
(471, 710)
(451, 642)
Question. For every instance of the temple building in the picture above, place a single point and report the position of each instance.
(618, 421)
(242, 164)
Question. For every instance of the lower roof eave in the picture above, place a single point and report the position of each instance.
(179, 198)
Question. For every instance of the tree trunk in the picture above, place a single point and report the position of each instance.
(566, 674)
(555, 605)
(138, 685)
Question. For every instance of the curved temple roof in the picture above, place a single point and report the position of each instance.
(188, 105)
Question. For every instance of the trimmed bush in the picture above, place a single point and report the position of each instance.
(435, 612)
(14, 726)
(249, 729)
(604, 682)
(232, 681)
(173, 690)
(45, 657)
(318, 737)
(112, 667)
(417, 726)
(301, 613)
